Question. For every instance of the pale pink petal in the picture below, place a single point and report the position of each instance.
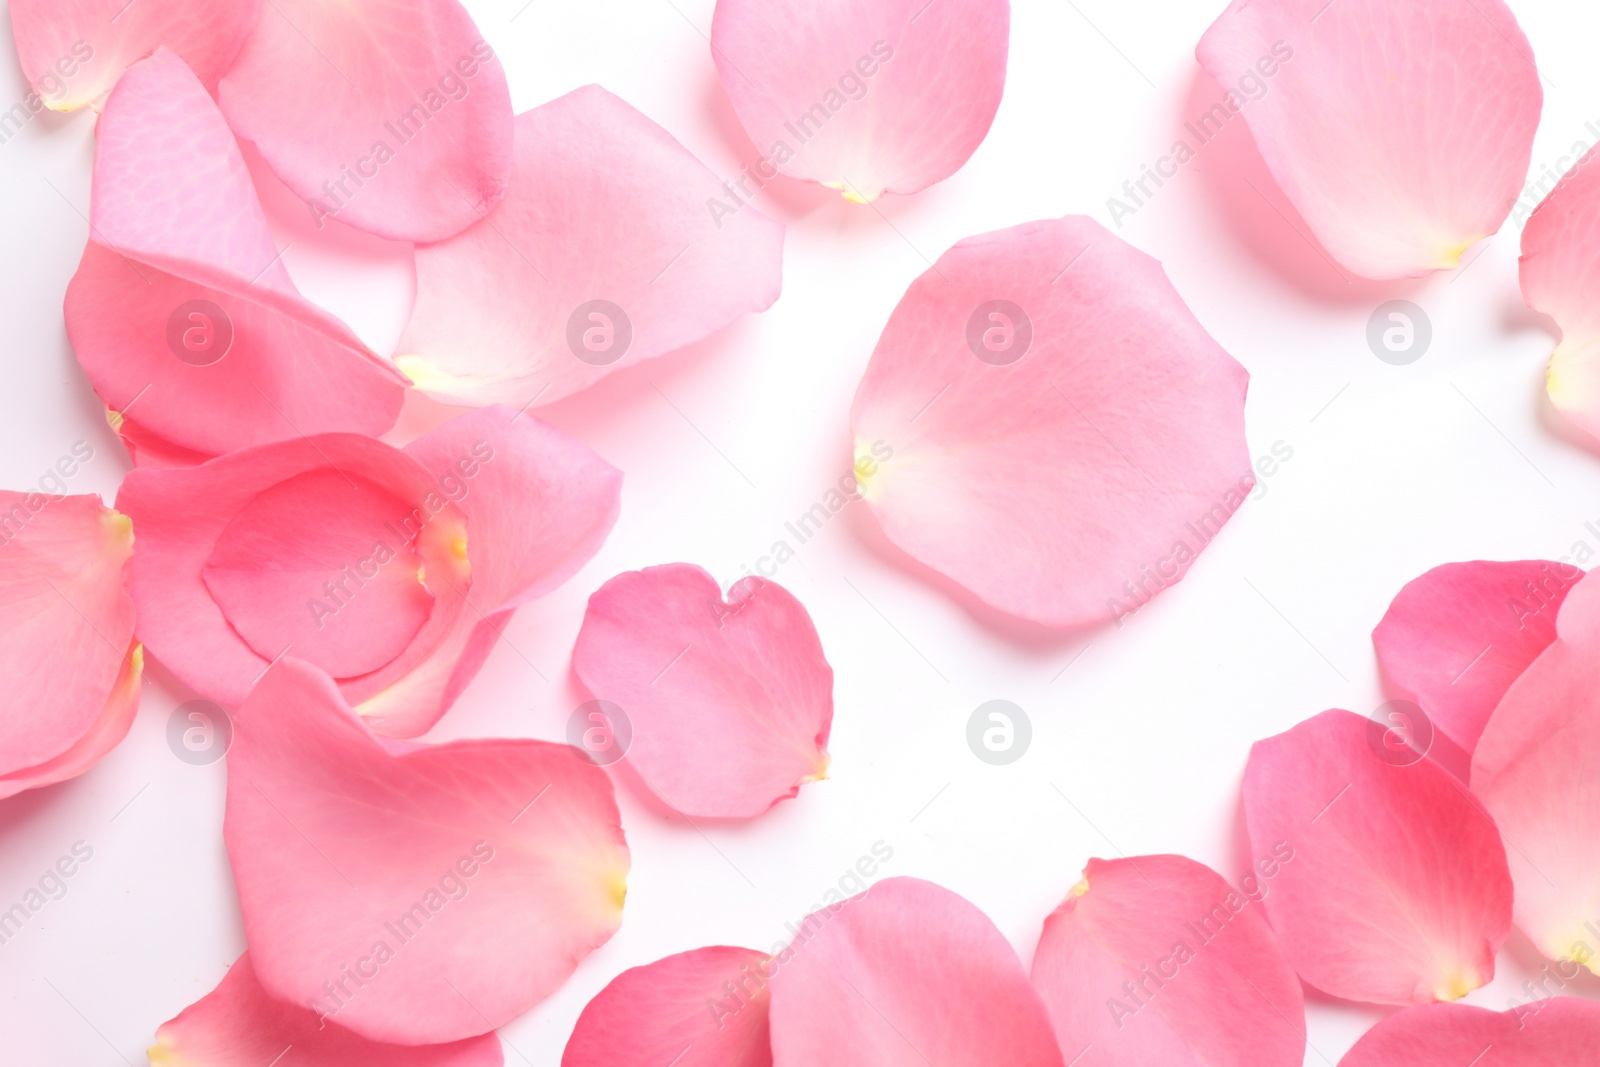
(705, 1008)
(390, 115)
(1457, 637)
(416, 898)
(1552, 1032)
(69, 666)
(864, 96)
(1401, 132)
(607, 251)
(904, 975)
(1045, 422)
(729, 702)
(1535, 771)
(1396, 889)
(73, 51)
(1157, 960)
(181, 310)
(238, 1024)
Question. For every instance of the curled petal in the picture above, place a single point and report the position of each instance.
(1045, 422)
(1401, 132)
(613, 246)
(1396, 890)
(729, 703)
(1544, 1033)
(1561, 277)
(460, 884)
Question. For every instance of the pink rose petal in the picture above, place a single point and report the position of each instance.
(1157, 960)
(1045, 422)
(419, 897)
(1548, 1033)
(1402, 132)
(869, 96)
(729, 703)
(1398, 891)
(605, 253)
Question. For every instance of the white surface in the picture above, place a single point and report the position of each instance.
(1140, 734)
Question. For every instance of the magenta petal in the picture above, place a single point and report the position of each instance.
(1557, 1032)
(1561, 277)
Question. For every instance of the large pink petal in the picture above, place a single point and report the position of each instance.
(1045, 422)
(1157, 960)
(1556, 1032)
(606, 252)
(1535, 770)
(864, 96)
(904, 975)
(181, 309)
(414, 898)
(729, 703)
(390, 115)
(1396, 890)
(68, 665)
(1457, 637)
(73, 51)
(705, 1008)
(238, 1024)
(1401, 132)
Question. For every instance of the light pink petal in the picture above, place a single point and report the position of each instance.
(69, 667)
(1157, 960)
(392, 116)
(607, 251)
(864, 96)
(238, 1024)
(181, 310)
(1396, 889)
(1535, 771)
(73, 51)
(1401, 132)
(415, 898)
(705, 1008)
(1457, 637)
(1553, 1032)
(904, 975)
(729, 702)
(1045, 422)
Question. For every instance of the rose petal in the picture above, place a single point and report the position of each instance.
(1157, 960)
(415, 898)
(1457, 637)
(1535, 771)
(904, 975)
(1546, 1033)
(705, 1008)
(864, 97)
(73, 51)
(729, 703)
(1045, 422)
(393, 117)
(181, 309)
(1398, 891)
(238, 1024)
(607, 251)
(1401, 132)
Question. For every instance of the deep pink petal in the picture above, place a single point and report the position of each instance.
(1547, 1033)
(729, 702)
(1157, 960)
(1064, 457)
(904, 975)
(1535, 771)
(238, 1024)
(1397, 891)
(1561, 277)
(1457, 637)
(705, 1008)
(1402, 132)
(390, 115)
(864, 96)
(459, 884)
(606, 252)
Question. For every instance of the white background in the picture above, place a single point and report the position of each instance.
(1140, 734)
